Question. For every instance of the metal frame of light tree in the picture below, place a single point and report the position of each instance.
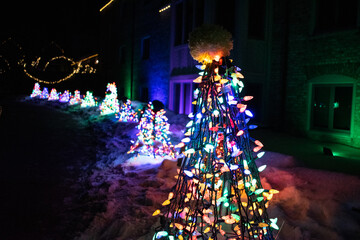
(218, 193)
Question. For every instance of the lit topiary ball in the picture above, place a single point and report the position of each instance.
(210, 42)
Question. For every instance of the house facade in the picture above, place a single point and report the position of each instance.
(300, 58)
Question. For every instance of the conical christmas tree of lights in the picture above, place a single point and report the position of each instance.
(145, 137)
(126, 113)
(111, 103)
(53, 95)
(65, 96)
(44, 94)
(88, 100)
(76, 99)
(162, 129)
(218, 193)
(36, 91)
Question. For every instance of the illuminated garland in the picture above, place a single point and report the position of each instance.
(107, 4)
(218, 194)
(48, 82)
(53, 95)
(36, 91)
(89, 100)
(126, 113)
(76, 68)
(110, 104)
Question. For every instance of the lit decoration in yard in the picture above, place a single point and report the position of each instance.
(76, 99)
(110, 104)
(165, 8)
(44, 94)
(101, 9)
(126, 113)
(53, 95)
(36, 91)
(162, 127)
(145, 141)
(77, 67)
(153, 133)
(65, 97)
(89, 100)
(218, 193)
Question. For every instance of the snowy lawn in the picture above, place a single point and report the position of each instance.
(312, 204)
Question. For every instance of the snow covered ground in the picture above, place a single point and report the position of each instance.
(312, 203)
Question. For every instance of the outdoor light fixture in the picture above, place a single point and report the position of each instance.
(327, 151)
(165, 8)
(106, 5)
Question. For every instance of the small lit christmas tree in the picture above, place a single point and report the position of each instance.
(162, 127)
(89, 100)
(218, 193)
(76, 99)
(153, 139)
(44, 94)
(126, 113)
(145, 141)
(36, 91)
(53, 95)
(111, 103)
(65, 97)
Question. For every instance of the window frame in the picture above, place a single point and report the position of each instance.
(188, 104)
(331, 80)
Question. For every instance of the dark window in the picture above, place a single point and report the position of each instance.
(225, 14)
(177, 91)
(333, 15)
(188, 14)
(188, 19)
(256, 19)
(178, 23)
(146, 48)
(187, 98)
(331, 107)
(199, 13)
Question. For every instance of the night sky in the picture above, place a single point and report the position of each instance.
(73, 25)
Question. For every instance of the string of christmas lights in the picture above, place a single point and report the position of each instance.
(76, 99)
(218, 194)
(44, 94)
(126, 113)
(89, 100)
(110, 104)
(53, 95)
(65, 96)
(153, 139)
(36, 91)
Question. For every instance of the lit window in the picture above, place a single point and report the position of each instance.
(331, 107)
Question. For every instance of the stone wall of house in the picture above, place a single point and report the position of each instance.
(312, 55)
